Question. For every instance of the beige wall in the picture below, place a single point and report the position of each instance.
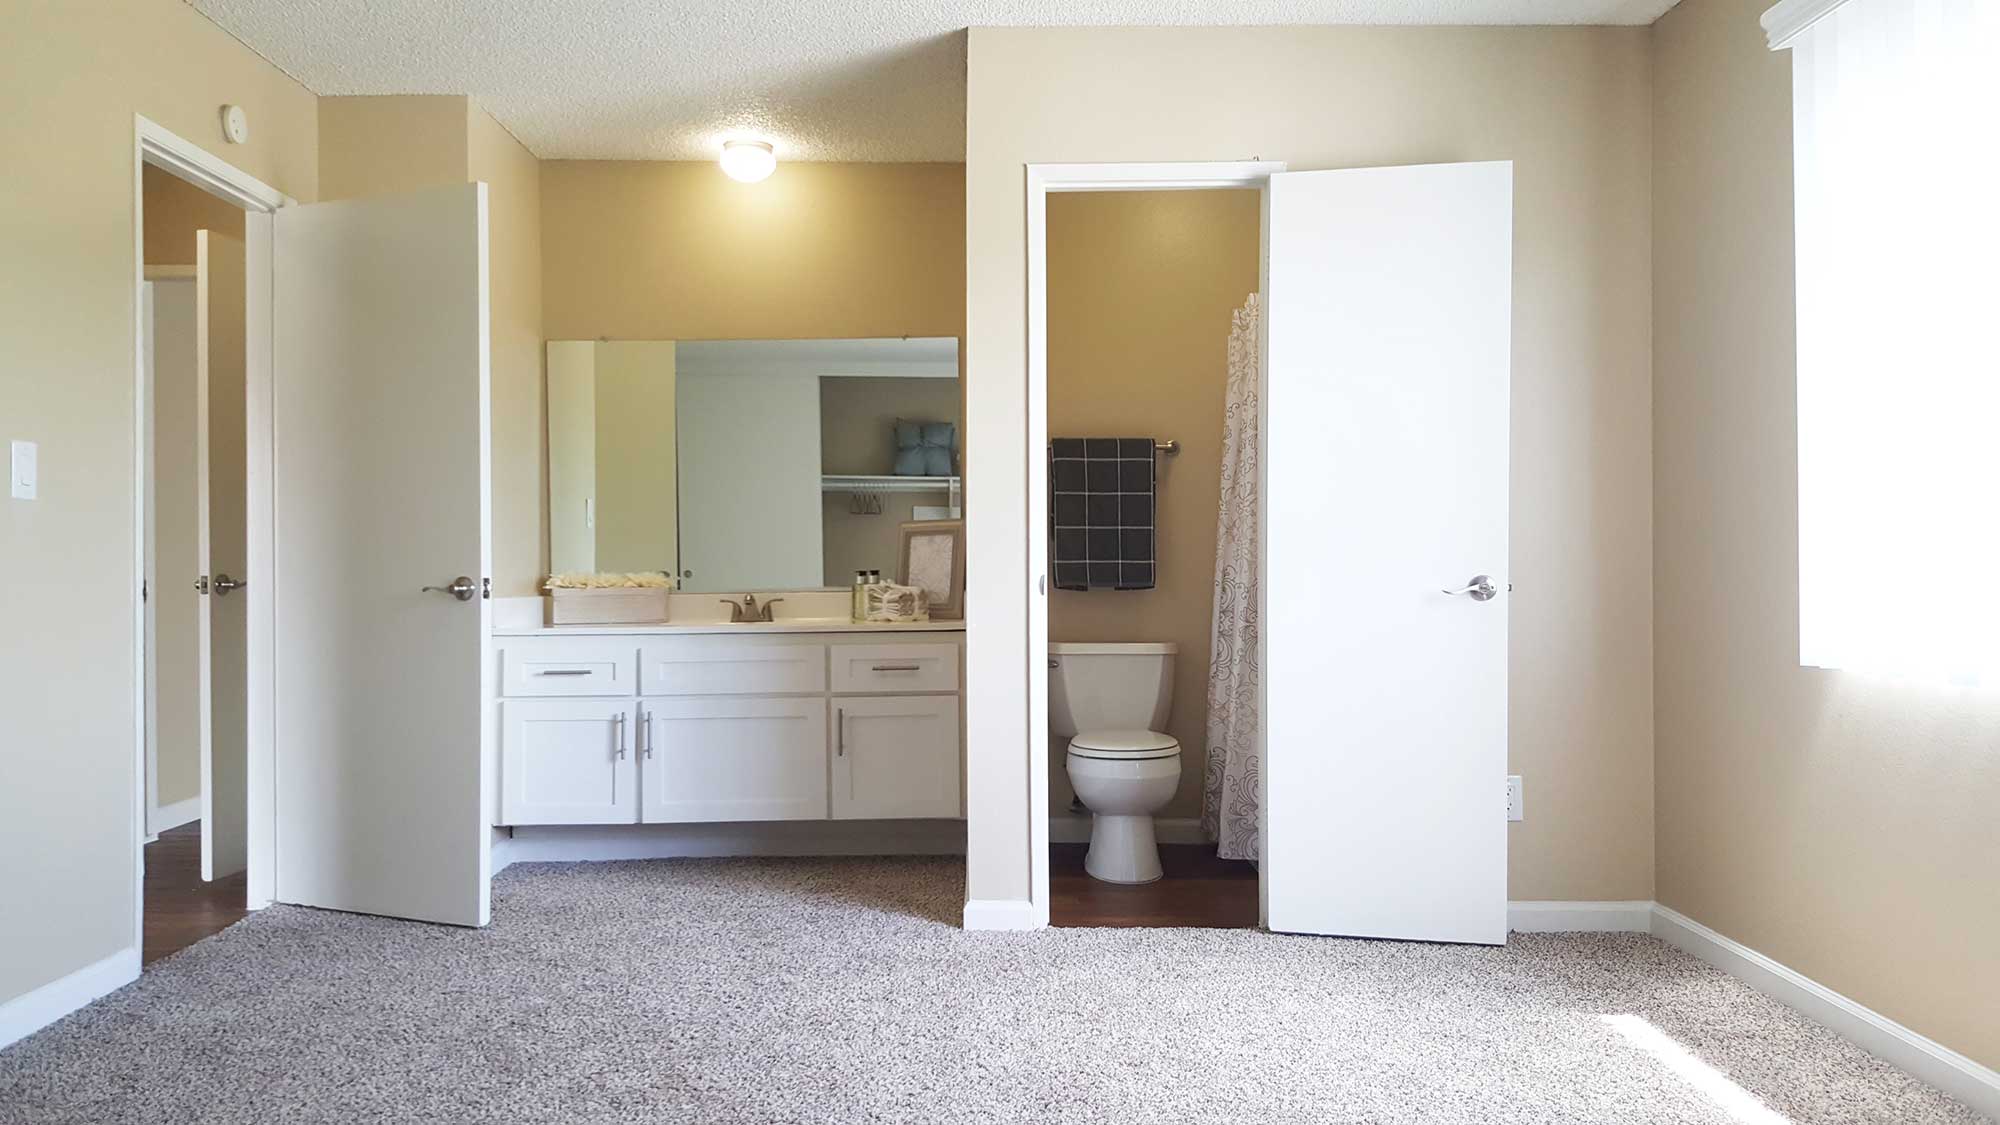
(1572, 108)
(175, 209)
(66, 309)
(382, 145)
(1842, 825)
(678, 251)
(1141, 289)
(520, 406)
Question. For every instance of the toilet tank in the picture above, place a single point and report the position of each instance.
(1110, 686)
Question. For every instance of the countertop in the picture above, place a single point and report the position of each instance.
(671, 628)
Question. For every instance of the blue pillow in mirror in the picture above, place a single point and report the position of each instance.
(923, 449)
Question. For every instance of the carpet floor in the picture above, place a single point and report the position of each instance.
(725, 991)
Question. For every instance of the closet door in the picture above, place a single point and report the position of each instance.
(380, 366)
(1385, 419)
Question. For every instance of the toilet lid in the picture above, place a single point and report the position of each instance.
(1124, 744)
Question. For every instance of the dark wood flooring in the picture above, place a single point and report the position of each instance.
(1198, 890)
(180, 908)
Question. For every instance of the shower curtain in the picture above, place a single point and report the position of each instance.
(1229, 809)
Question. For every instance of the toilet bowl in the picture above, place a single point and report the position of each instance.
(1109, 702)
(1123, 777)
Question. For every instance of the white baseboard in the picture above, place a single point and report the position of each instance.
(160, 819)
(1970, 1082)
(1073, 828)
(596, 842)
(28, 1013)
(1002, 914)
(1540, 917)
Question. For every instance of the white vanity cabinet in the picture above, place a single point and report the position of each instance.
(669, 726)
(569, 761)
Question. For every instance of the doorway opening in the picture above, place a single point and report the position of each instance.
(201, 468)
(1147, 292)
(1069, 386)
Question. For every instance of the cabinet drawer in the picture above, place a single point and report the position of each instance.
(731, 666)
(900, 667)
(566, 666)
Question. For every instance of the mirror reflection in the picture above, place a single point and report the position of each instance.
(749, 464)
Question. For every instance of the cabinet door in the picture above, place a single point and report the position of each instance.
(733, 758)
(895, 757)
(568, 761)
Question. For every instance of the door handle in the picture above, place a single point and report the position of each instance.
(840, 732)
(462, 588)
(1481, 588)
(646, 733)
(618, 733)
(223, 584)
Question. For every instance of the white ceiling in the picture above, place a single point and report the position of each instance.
(822, 79)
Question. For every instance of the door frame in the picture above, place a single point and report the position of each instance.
(160, 147)
(1043, 180)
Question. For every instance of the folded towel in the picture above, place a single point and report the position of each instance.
(1101, 513)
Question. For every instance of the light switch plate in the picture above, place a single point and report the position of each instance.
(23, 474)
(1515, 798)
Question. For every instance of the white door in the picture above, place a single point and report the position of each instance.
(569, 761)
(177, 618)
(379, 345)
(750, 508)
(1385, 475)
(732, 758)
(895, 757)
(220, 322)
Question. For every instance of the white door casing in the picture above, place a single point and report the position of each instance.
(222, 314)
(1386, 482)
(380, 351)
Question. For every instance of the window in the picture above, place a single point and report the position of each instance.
(1896, 147)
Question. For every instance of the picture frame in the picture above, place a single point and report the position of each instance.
(931, 554)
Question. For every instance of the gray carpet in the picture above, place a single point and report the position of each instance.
(722, 991)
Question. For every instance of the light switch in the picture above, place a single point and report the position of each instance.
(24, 470)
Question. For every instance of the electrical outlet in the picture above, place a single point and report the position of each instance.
(1515, 805)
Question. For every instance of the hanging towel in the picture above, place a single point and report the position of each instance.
(1101, 513)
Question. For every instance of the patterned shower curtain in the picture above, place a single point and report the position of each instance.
(1229, 810)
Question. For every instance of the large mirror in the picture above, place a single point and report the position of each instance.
(749, 464)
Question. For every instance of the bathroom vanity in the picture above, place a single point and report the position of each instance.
(717, 722)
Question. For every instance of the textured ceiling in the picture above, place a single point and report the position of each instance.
(825, 80)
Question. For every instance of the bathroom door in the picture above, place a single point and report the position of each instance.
(1386, 467)
(221, 296)
(380, 377)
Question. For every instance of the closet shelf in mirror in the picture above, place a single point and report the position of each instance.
(888, 483)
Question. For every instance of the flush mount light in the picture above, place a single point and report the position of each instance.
(748, 161)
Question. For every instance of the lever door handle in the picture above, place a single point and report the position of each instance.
(1481, 588)
(223, 584)
(461, 588)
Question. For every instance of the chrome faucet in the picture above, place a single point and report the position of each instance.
(748, 609)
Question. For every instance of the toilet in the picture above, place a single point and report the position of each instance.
(1110, 701)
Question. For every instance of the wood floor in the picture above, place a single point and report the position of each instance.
(1198, 890)
(180, 908)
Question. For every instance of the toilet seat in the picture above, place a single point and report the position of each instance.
(1124, 745)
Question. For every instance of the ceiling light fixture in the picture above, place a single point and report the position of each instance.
(748, 161)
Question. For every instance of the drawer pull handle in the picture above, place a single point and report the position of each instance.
(618, 721)
(646, 733)
(563, 672)
(840, 732)
(899, 668)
